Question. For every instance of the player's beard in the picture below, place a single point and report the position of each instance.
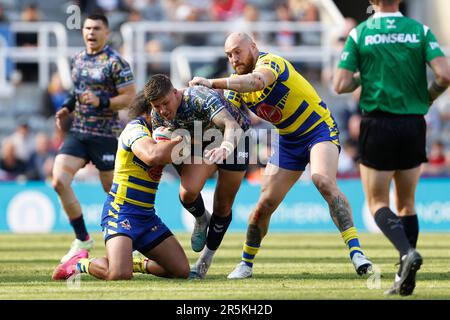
(246, 67)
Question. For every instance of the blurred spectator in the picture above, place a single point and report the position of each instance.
(28, 71)
(11, 167)
(30, 13)
(304, 10)
(347, 165)
(338, 42)
(353, 127)
(151, 10)
(188, 13)
(217, 69)
(436, 165)
(225, 10)
(284, 37)
(250, 15)
(101, 6)
(41, 161)
(154, 48)
(54, 96)
(170, 8)
(434, 125)
(134, 16)
(22, 141)
(3, 17)
(439, 128)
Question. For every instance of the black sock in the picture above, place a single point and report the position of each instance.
(80, 228)
(217, 228)
(196, 208)
(411, 226)
(393, 229)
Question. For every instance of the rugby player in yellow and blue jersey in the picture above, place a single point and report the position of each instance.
(129, 221)
(271, 88)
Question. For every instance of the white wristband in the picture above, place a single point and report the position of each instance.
(227, 145)
(228, 83)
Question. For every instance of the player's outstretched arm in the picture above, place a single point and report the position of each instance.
(255, 81)
(441, 82)
(346, 81)
(153, 154)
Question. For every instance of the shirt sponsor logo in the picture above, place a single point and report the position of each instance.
(269, 113)
(126, 224)
(108, 158)
(125, 73)
(434, 45)
(344, 55)
(391, 38)
(391, 24)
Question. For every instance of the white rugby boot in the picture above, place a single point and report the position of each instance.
(241, 271)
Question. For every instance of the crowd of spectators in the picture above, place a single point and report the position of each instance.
(29, 155)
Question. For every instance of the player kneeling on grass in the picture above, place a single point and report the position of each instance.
(129, 221)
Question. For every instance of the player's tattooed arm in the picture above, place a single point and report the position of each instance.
(340, 213)
(441, 71)
(346, 81)
(255, 81)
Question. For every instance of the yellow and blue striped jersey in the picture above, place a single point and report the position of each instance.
(290, 103)
(134, 182)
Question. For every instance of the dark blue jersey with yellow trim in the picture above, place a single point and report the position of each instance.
(291, 104)
(134, 182)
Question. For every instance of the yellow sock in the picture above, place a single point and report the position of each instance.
(248, 254)
(140, 265)
(350, 237)
(83, 265)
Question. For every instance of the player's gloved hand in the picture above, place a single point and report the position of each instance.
(199, 81)
(218, 155)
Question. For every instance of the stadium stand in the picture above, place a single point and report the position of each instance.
(183, 38)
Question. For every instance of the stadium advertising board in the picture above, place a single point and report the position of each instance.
(34, 207)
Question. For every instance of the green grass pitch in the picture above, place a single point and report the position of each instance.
(289, 266)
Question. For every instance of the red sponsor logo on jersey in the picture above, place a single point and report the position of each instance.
(269, 113)
(155, 173)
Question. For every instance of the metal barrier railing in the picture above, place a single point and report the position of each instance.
(44, 54)
(134, 35)
(6, 89)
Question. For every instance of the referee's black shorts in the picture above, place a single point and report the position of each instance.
(392, 142)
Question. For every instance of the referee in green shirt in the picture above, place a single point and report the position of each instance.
(387, 55)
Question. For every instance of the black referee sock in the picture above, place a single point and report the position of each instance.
(196, 208)
(393, 229)
(411, 226)
(80, 228)
(217, 228)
